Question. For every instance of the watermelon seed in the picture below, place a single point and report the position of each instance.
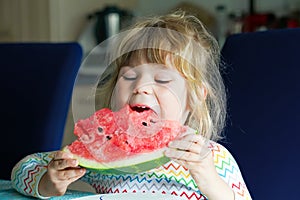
(145, 123)
(100, 129)
(108, 137)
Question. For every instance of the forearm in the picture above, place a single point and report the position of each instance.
(212, 185)
(228, 170)
(220, 178)
(27, 173)
(216, 189)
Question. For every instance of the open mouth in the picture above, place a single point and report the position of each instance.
(144, 108)
(140, 109)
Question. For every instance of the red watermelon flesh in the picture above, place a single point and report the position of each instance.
(108, 136)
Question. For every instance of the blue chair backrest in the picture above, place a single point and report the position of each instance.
(263, 131)
(36, 86)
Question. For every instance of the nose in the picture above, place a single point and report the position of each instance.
(146, 89)
(144, 85)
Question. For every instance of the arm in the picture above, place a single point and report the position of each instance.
(62, 170)
(211, 166)
(27, 173)
(45, 174)
(228, 169)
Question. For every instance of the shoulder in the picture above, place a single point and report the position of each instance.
(222, 156)
(225, 163)
(218, 148)
(228, 169)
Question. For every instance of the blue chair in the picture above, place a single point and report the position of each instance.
(263, 131)
(36, 87)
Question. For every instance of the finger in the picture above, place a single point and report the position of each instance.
(71, 174)
(173, 153)
(193, 138)
(187, 132)
(62, 155)
(185, 145)
(186, 155)
(62, 164)
(181, 155)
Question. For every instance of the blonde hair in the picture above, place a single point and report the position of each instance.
(195, 54)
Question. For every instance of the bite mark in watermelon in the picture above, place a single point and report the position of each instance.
(127, 141)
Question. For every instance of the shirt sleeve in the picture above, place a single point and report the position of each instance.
(229, 170)
(27, 173)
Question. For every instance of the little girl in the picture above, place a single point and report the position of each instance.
(169, 64)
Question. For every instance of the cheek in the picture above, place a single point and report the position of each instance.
(120, 96)
(173, 103)
(179, 92)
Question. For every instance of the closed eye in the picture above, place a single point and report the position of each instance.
(130, 75)
(129, 78)
(163, 81)
(163, 77)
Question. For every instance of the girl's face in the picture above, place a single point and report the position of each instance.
(154, 86)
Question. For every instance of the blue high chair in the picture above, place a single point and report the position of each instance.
(36, 86)
(262, 77)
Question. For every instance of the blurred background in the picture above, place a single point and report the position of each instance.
(75, 20)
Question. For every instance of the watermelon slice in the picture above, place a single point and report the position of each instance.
(131, 140)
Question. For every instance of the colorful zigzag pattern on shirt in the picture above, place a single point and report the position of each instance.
(143, 183)
(27, 174)
(228, 169)
(173, 179)
(170, 178)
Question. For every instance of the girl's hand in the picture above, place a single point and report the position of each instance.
(62, 171)
(191, 151)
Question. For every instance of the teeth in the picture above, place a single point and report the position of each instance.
(141, 106)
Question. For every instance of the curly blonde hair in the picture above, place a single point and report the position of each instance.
(195, 54)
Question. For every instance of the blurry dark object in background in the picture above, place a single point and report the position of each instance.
(235, 23)
(264, 21)
(290, 21)
(222, 23)
(268, 21)
(251, 7)
(257, 22)
(109, 22)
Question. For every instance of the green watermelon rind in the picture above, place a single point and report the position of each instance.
(132, 165)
